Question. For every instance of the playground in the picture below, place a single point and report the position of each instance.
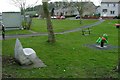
(72, 56)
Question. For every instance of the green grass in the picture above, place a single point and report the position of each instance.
(69, 54)
(39, 25)
(108, 28)
(14, 32)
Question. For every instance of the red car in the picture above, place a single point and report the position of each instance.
(62, 17)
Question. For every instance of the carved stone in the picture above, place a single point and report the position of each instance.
(27, 56)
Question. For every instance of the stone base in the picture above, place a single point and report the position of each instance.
(105, 47)
(37, 63)
(101, 47)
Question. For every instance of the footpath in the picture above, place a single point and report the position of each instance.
(45, 34)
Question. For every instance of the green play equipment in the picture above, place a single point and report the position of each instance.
(102, 40)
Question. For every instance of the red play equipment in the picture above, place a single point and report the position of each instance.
(117, 25)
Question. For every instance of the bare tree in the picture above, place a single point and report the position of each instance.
(79, 6)
(22, 5)
(83, 7)
(51, 36)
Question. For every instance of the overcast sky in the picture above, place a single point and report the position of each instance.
(6, 5)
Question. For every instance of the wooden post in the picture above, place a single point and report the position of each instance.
(3, 32)
(117, 26)
(89, 31)
(102, 44)
(82, 32)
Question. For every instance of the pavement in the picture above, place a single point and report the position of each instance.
(106, 46)
(45, 34)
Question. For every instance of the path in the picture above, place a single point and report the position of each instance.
(45, 34)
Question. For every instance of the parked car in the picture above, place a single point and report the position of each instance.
(58, 17)
(53, 17)
(62, 17)
(77, 17)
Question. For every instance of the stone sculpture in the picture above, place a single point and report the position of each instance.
(26, 56)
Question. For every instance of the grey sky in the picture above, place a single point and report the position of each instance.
(6, 5)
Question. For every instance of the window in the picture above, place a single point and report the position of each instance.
(66, 13)
(57, 13)
(108, 5)
(104, 10)
(113, 5)
(112, 12)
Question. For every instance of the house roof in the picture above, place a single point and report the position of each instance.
(110, 0)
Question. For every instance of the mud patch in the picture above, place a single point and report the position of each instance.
(8, 61)
(5, 75)
(106, 47)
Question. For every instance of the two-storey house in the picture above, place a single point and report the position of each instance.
(88, 9)
(110, 8)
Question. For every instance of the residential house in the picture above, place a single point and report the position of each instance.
(110, 8)
(88, 9)
(98, 8)
(0, 16)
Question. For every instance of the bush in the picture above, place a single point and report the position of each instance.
(116, 17)
(67, 16)
(24, 24)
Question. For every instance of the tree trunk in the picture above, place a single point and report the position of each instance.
(51, 36)
(80, 18)
(80, 11)
(24, 19)
(118, 49)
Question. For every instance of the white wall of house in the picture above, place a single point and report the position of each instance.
(110, 9)
(119, 9)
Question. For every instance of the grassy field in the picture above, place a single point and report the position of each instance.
(39, 25)
(68, 57)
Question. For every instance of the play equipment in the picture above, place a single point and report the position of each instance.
(102, 40)
(86, 31)
(117, 25)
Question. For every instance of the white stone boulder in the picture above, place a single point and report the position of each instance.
(27, 56)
